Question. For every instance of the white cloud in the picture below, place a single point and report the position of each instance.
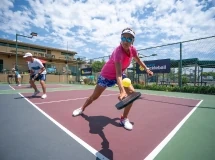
(5, 5)
(93, 24)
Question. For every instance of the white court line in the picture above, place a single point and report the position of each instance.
(62, 90)
(80, 141)
(11, 87)
(155, 152)
(51, 89)
(74, 99)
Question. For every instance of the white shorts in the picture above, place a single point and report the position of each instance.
(18, 76)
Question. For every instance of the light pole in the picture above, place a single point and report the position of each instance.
(32, 35)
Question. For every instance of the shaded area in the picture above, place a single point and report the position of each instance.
(26, 134)
(97, 124)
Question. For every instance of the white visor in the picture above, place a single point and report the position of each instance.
(129, 32)
(27, 55)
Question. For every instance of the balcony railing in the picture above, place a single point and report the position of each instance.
(41, 54)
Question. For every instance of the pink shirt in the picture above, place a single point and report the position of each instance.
(118, 55)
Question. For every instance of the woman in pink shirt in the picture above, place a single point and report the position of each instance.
(112, 73)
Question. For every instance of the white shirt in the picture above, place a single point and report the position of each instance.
(36, 65)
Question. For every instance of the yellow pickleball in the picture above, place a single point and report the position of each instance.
(126, 82)
(141, 68)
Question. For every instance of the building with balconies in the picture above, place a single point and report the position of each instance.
(57, 61)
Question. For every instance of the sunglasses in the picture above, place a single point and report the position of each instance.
(124, 39)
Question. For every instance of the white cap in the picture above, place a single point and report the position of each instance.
(27, 55)
(129, 31)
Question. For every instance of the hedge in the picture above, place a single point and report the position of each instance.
(186, 89)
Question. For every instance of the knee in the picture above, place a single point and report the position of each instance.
(129, 90)
(31, 81)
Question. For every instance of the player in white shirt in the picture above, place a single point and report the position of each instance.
(37, 72)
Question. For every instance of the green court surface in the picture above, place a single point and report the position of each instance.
(195, 140)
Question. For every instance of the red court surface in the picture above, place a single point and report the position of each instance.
(38, 86)
(154, 117)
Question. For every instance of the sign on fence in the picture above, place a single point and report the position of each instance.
(86, 71)
(156, 66)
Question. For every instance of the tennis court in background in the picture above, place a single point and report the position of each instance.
(166, 125)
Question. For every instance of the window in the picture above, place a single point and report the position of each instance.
(22, 47)
(12, 45)
(49, 52)
(1, 65)
(37, 49)
(66, 54)
(3, 44)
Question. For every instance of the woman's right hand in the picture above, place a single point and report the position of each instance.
(122, 95)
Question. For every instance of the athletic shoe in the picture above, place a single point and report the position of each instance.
(35, 93)
(126, 124)
(77, 112)
(43, 96)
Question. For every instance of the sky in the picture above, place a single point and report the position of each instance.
(92, 28)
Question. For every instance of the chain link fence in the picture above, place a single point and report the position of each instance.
(96, 64)
(191, 62)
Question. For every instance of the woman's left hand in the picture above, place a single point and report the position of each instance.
(150, 73)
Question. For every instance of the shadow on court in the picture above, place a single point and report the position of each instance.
(204, 107)
(97, 124)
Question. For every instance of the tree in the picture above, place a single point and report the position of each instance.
(173, 75)
(184, 80)
(209, 74)
(97, 65)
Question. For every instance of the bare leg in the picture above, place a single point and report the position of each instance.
(43, 86)
(129, 90)
(30, 83)
(18, 81)
(97, 92)
(33, 85)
